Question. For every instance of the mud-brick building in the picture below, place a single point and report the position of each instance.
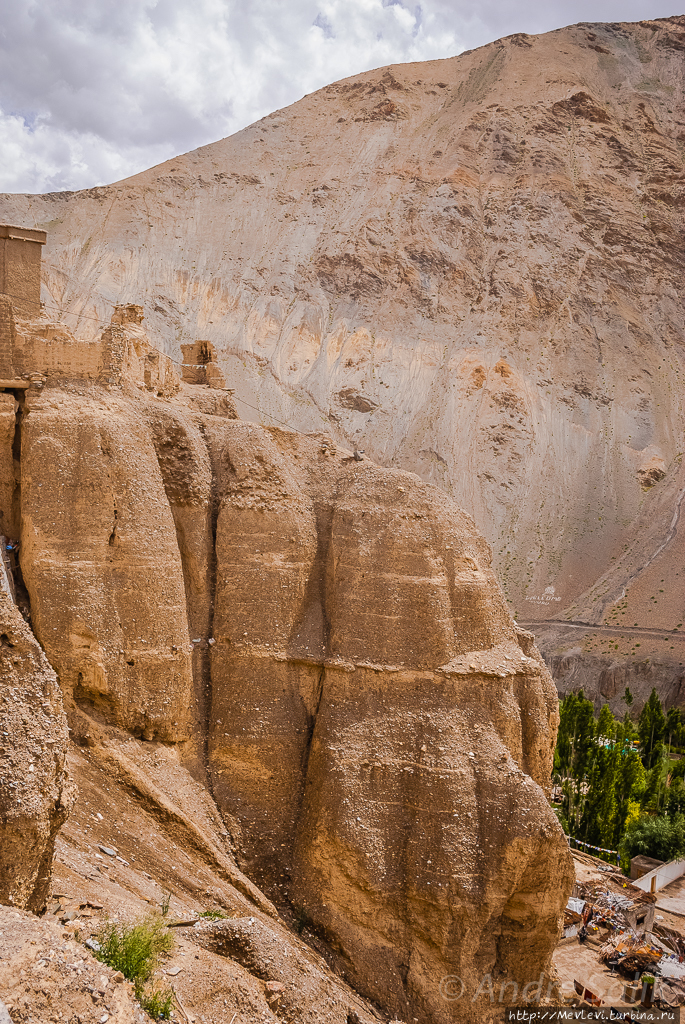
(20, 259)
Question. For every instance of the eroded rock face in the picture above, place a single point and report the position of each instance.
(411, 791)
(102, 565)
(35, 792)
(327, 642)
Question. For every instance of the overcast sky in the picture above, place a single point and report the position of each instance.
(94, 90)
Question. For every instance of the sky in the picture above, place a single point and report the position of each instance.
(92, 91)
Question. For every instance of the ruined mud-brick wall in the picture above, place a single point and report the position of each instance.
(51, 350)
(20, 256)
(6, 338)
(200, 365)
(40, 347)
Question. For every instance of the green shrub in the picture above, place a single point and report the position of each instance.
(213, 915)
(659, 837)
(158, 1004)
(134, 949)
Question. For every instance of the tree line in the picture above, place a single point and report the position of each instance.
(622, 784)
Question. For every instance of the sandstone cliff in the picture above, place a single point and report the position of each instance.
(326, 645)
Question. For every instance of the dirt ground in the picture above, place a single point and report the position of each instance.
(267, 973)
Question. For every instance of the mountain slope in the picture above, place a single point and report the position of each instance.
(471, 268)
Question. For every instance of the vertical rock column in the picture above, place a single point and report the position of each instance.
(266, 662)
(423, 845)
(187, 474)
(101, 563)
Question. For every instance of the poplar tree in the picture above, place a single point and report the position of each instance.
(651, 727)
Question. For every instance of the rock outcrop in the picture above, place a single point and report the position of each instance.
(327, 645)
(35, 791)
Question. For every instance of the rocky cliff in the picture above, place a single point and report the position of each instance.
(36, 793)
(325, 645)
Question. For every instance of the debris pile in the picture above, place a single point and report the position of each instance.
(673, 940)
(630, 954)
(613, 904)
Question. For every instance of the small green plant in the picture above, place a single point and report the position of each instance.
(166, 901)
(135, 949)
(213, 915)
(158, 1004)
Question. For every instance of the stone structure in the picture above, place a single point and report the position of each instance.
(20, 257)
(200, 365)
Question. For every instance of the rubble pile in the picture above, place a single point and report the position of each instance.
(670, 938)
(615, 905)
(630, 954)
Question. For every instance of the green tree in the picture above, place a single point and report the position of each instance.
(575, 753)
(628, 697)
(659, 837)
(630, 784)
(651, 727)
(601, 823)
(628, 730)
(652, 794)
(606, 724)
(674, 726)
(675, 799)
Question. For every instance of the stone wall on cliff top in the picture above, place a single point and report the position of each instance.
(327, 642)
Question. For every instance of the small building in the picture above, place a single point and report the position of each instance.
(200, 365)
(642, 865)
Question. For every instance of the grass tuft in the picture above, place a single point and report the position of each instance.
(213, 915)
(135, 949)
(158, 1004)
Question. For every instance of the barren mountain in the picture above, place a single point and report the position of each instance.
(472, 269)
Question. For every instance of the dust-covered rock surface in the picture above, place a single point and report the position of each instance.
(325, 645)
(47, 977)
(35, 790)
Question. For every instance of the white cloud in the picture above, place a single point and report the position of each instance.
(95, 90)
